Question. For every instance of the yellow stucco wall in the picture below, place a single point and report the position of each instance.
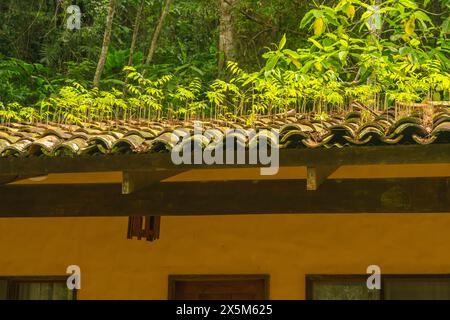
(287, 247)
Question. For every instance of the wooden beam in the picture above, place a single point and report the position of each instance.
(133, 181)
(398, 154)
(5, 179)
(427, 195)
(316, 175)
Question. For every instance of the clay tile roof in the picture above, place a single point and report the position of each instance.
(295, 131)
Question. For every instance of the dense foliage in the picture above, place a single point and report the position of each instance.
(327, 56)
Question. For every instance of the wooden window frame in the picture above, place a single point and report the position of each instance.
(311, 278)
(173, 279)
(13, 281)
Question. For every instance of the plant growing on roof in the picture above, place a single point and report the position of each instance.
(9, 113)
(148, 96)
(222, 95)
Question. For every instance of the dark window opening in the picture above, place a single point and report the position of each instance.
(393, 287)
(222, 287)
(35, 288)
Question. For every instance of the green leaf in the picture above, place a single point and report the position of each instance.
(307, 19)
(194, 68)
(437, 96)
(343, 43)
(291, 53)
(410, 25)
(414, 42)
(409, 4)
(113, 81)
(443, 58)
(297, 63)
(446, 26)
(316, 43)
(319, 26)
(405, 50)
(343, 55)
(351, 11)
(332, 36)
(272, 62)
(423, 16)
(282, 42)
(307, 66)
(366, 15)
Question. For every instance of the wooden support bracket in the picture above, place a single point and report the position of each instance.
(315, 176)
(133, 181)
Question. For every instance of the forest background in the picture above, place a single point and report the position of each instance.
(222, 58)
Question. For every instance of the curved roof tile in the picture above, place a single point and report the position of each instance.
(295, 131)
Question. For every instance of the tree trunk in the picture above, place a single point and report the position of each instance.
(155, 37)
(135, 32)
(226, 39)
(106, 41)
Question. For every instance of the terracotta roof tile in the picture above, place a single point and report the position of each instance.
(295, 131)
